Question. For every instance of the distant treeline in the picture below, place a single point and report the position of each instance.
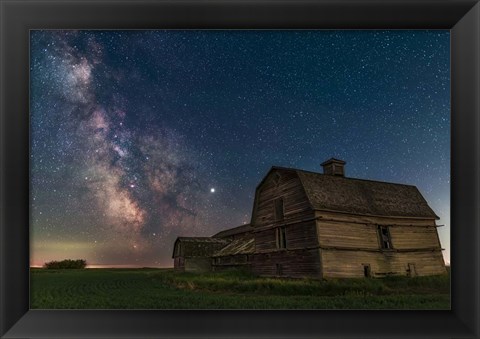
(65, 264)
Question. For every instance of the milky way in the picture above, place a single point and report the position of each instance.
(138, 137)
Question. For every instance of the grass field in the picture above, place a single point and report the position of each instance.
(166, 289)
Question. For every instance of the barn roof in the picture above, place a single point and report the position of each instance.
(238, 246)
(233, 231)
(362, 197)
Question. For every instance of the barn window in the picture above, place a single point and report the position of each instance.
(279, 269)
(385, 239)
(281, 235)
(177, 250)
(278, 204)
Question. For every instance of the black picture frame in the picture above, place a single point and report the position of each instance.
(17, 17)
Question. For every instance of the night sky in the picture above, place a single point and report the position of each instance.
(138, 137)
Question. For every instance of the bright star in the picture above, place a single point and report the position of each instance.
(212, 190)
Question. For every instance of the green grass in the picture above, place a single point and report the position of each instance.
(166, 289)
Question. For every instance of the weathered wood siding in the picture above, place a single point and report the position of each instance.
(407, 237)
(337, 216)
(298, 236)
(195, 256)
(300, 258)
(179, 263)
(339, 230)
(198, 264)
(349, 264)
(296, 205)
(294, 263)
(344, 234)
(239, 261)
(336, 234)
(348, 242)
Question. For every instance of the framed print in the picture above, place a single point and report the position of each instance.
(131, 166)
(129, 172)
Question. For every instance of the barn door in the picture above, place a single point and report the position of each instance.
(367, 271)
(412, 272)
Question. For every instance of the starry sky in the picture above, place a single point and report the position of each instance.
(138, 137)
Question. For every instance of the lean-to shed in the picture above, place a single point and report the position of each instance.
(195, 253)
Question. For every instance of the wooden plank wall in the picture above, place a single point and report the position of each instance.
(295, 263)
(298, 236)
(414, 237)
(347, 242)
(179, 263)
(296, 204)
(220, 268)
(335, 234)
(366, 236)
(337, 216)
(238, 261)
(349, 264)
(231, 259)
(301, 257)
(198, 264)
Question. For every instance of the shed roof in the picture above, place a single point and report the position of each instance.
(238, 246)
(200, 239)
(233, 231)
(198, 246)
(362, 197)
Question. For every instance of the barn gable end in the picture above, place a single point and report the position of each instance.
(284, 227)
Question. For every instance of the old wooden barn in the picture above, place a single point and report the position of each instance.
(326, 225)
